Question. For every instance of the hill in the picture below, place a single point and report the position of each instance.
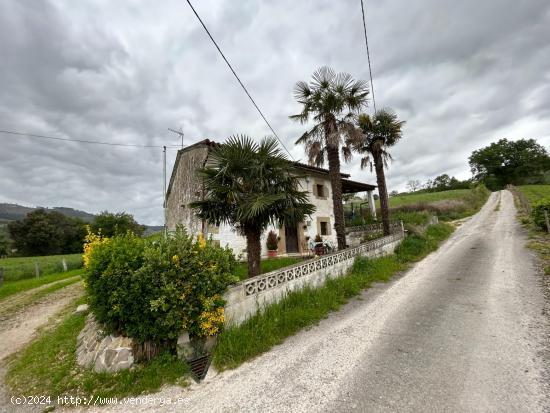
(14, 212)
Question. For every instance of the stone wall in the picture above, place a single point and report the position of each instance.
(356, 235)
(102, 352)
(244, 299)
(186, 187)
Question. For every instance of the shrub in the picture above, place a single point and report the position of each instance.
(537, 212)
(272, 241)
(152, 290)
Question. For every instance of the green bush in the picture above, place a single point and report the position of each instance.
(152, 290)
(537, 212)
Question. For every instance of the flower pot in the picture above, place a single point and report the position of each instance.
(319, 250)
(271, 253)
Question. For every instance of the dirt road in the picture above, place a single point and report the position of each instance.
(464, 330)
(19, 321)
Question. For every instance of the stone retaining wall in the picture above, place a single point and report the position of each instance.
(243, 300)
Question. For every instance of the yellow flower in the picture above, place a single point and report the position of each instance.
(212, 321)
(176, 260)
(201, 241)
(91, 241)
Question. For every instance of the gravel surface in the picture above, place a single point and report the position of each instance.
(464, 330)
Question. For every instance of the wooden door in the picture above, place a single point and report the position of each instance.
(291, 239)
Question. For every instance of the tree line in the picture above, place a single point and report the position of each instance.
(497, 165)
(44, 232)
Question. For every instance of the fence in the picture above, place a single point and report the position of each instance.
(247, 297)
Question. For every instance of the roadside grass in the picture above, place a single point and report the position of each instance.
(539, 240)
(19, 268)
(267, 265)
(14, 287)
(306, 307)
(48, 367)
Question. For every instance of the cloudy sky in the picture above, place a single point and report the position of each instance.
(462, 74)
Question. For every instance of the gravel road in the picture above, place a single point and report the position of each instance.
(464, 330)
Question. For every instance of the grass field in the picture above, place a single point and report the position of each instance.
(14, 287)
(535, 192)
(20, 268)
(427, 197)
(416, 208)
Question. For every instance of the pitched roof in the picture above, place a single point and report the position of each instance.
(308, 168)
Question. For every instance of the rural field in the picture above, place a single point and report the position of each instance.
(415, 208)
(20, 268)
(534, 193)
(425, 197)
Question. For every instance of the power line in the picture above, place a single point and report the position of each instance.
(239, 80)
(368, 55)
(33, 135)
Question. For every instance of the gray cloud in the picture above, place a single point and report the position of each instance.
(460, 73)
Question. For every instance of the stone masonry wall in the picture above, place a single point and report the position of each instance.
(186, 187)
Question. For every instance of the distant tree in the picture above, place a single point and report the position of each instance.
(509, 162)
(111, 224)
(4, 245)
(46, 233)
(413, 185)
(394, 193)
(250, 186)
(441, 182)
(381, 131)
(331, 100)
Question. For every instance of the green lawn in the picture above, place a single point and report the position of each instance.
(19, 268)
(14, 287)
(267, 265)
(48, 367)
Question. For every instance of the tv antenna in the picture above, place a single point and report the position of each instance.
(178, 132)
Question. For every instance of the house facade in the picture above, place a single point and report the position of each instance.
(186, 186)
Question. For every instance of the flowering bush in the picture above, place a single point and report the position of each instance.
(152, 290)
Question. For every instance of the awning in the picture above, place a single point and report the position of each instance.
(349, 186)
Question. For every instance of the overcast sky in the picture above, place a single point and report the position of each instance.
(461, 73)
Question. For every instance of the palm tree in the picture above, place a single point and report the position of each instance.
(331, 100)
(381, 131)
(250, 186)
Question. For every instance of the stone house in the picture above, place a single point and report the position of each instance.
(186, 186)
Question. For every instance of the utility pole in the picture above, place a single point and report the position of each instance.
(164, 188)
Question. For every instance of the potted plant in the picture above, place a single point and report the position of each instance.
(272, 244)
(319, 246)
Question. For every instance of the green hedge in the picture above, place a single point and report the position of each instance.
(152, 290)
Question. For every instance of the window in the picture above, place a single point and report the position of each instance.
(323, 226)
(320, 190)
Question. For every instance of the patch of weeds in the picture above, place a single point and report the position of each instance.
(306, 307)
(48, 367)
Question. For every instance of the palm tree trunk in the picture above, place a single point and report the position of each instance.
(254, 251)
(336, 183)
(382, 191)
